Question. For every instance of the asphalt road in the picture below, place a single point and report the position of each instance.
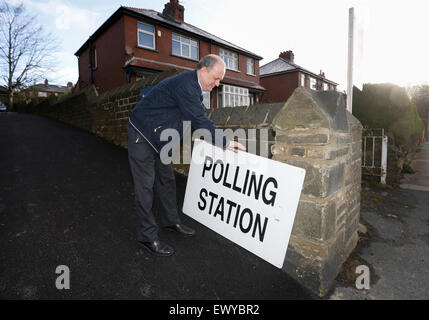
(66, 198)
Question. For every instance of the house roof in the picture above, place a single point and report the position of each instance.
(157, 17)
(41, 87)
(281, 65)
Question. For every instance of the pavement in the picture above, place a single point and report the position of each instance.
(395, 246)
(66, 199)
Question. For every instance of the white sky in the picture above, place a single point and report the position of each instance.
(396, 41)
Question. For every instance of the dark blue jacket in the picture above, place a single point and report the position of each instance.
(172, 101)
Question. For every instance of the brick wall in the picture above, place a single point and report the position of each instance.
(279, 87)
(105, 115)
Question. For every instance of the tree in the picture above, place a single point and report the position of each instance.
(25, 49)
(420, 96)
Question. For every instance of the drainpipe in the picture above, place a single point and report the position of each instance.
(90, 66)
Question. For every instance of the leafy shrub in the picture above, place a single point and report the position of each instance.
(388, 106)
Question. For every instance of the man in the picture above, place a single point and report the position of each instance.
(166, 106)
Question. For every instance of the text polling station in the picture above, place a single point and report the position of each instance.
(248, 199)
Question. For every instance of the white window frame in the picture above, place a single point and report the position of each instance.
(230, 58)
(146, 32)
(192, 44)
(233, 96)
(250, 62)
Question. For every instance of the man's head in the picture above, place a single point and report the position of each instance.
(211, 70)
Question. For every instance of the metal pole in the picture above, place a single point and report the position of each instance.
(350, 61)
(384, 160)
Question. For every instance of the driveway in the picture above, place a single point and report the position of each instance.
(66, 198)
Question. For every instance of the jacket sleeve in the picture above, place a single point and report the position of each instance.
(193, 110)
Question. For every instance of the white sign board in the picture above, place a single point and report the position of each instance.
(248, 199)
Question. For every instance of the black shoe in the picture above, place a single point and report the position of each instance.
(158, 248)
(182, 229)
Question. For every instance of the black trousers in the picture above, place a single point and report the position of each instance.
(154, 187)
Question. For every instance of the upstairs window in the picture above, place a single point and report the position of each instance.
(313, 83)
(250, 66)
(146, 35)
(230, 59)
(184, 47)
(302, 80)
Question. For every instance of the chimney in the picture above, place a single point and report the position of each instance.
(322, 74)
(174, 11)
(287, 55)
(46, 82)
(69, 85)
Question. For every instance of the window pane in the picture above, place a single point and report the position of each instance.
(185, 40)
(250, 66)
(176, 37)
(194, 43)
(185, 50)
(145, 40)
(146, 27)
(194, 53)
(176, 48)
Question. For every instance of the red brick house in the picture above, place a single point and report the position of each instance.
(282, 76)
(44, 90)
(133, 43)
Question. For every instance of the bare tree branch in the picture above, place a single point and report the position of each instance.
(26, 51)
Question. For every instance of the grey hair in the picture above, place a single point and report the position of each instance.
(209, 61)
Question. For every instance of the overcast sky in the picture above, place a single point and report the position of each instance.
(396, 39)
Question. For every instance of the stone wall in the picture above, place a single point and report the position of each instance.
(314, 131)
(105, 115)
(311, 130)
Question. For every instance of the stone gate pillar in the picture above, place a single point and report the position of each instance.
(315, 132)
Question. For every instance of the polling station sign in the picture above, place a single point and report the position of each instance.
(248, 199)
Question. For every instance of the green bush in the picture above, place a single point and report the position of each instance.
(388, 106)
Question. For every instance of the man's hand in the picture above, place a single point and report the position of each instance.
(234, 146)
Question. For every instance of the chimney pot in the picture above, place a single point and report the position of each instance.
(174, 11)
(287, 55)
